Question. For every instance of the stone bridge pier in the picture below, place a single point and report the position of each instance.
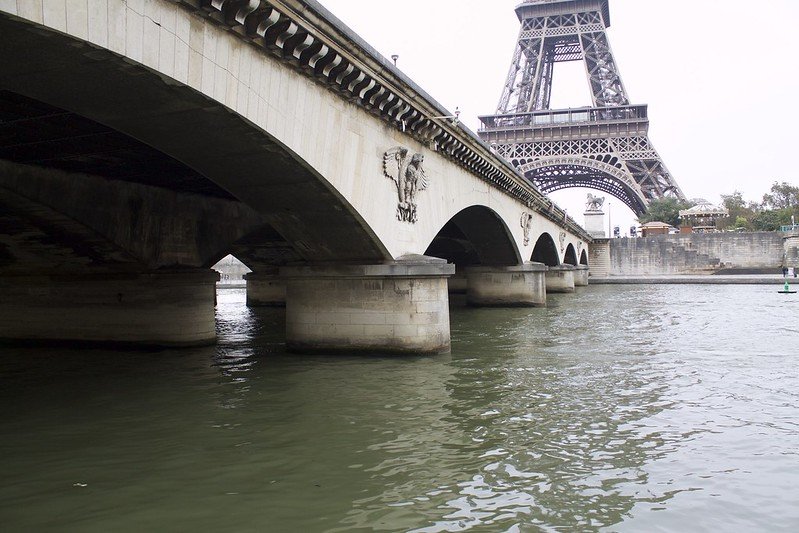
(402, 307)
(86, 259)
(512, 286)
(156, 308)
(142, 141)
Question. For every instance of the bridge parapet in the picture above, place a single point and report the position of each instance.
(305, 35)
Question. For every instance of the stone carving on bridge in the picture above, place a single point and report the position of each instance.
(579, 250)
(408, 175)
(594, 203)
(562, 241)
(527, 224)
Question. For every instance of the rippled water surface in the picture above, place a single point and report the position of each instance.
(664, 408)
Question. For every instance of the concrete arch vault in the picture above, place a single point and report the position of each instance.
(570, 257)
(476, 235)
(303, 215)
(545, 251)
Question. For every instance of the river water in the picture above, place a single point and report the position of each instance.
(637, 408)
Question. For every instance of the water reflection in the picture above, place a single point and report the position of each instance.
(532, 435)
(621, 408)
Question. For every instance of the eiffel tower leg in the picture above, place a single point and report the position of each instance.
(606, 86)
(647, 168)
(524, 77)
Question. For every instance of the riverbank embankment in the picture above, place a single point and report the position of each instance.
(776, 280)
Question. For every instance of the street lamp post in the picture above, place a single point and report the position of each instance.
(610, 234)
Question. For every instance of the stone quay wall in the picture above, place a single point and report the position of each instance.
(695, 253)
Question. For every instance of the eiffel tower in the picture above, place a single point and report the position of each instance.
(604, 147)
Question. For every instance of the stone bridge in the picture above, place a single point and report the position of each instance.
(143, 140)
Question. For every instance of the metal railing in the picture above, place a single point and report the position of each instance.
(558, 117)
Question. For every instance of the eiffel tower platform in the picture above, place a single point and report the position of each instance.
(605, 146)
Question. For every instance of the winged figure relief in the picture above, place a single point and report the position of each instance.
(527, 224)
(409, 177)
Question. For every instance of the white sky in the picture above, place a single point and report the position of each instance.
(719, 76)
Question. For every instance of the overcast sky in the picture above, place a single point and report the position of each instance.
(720, 78)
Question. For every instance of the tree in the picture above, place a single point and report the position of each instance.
(664, 210)
(783, 196)
(776, 210)
(742, 223)
(772, 219)
(741, 213)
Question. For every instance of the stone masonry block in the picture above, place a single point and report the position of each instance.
(369, 318)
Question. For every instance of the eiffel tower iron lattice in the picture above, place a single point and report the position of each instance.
(604, 147)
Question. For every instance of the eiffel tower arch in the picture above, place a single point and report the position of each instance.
(605, 146)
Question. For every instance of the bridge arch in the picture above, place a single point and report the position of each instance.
(604, 173)
(295, 137)
(545, 251)
(570, 257)
(476, 235)
(584, 258)
(221, 151)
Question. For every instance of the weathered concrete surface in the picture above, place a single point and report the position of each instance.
(515, 286)
(581, 275)
(458, 283)
(791, 250)
(167, 308)
(695, 253)
(599, 258)
(560, 279)
(595, 224)
(149, 226)
(265, 289)
(775, 280)
(393, 308)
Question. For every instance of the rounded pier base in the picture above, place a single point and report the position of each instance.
(169, 308)
(560, 279)
(265, 289)
(507, 286)
(397, 308)
(581, 276)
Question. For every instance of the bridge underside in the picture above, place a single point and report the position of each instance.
(56, 149)
(74, 108)
(124, 178)
(120, 188)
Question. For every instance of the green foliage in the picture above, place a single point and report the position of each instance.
(742, 223)
(741, 212)
(776, 209)
(782, 196)
(664, 210)
(772, 219)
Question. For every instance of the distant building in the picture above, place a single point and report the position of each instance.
(650, 229)
(231, 270)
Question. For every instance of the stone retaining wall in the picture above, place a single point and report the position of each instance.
(696, 253)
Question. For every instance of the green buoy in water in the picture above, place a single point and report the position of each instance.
(787, 289)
